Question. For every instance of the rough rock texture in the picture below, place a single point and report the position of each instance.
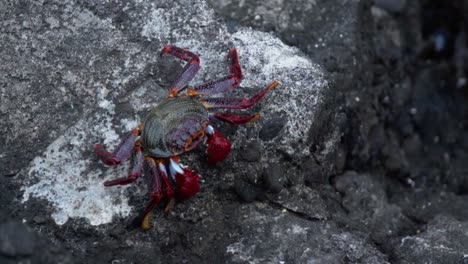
(18, 244)
(443, 241)
(81, 73)
(72, 177)
(359, 156)
(332, 33)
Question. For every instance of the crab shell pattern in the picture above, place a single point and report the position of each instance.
(177, 125)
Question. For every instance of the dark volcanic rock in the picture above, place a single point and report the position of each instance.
(251, 152)
(19, 244)
(246, 190)
(368, 208)
(334, 35)
(444, 241)
(83, 72)
(271, 128)
(77, 73)
(274, 177)
(16, 240)
(271, 236)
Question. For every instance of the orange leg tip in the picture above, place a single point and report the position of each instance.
(272, 85)
(169, 206)
(255, 118)
(145, 225)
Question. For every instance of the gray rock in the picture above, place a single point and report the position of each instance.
(368, 208)
(443, 241)
(251, 152)
(246, 190)
(271, 128)
(331, 34)
(84, 72)
(16, 240)
(391, 5)
(431, 203)
(274, 177)
(119, 71)
(270, 236)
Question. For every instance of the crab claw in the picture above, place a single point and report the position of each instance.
(218, 146)
(186, 181)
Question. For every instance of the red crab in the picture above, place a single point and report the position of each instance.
(177, 125)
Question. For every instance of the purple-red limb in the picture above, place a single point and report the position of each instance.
(135, 169)
(234, 118)
(237, 103)
(189, 71)
(224, 84)
(121, 153)
(159, 187)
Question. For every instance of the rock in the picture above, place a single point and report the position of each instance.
(330, 34)
(391, 5)
(443, 241)
(39, 219)
(117, 67)
(369, 209)
(426, 204)
(267, 236)
(271, 128)
(16, 240)
(314, 173)
(84, 72)
(251, 152)
(303, 201)
(246, 191)
(274, 177)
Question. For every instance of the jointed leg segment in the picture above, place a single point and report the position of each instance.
(224, 84)
(236, 103)
(135, 169)
(121, 153)
(189, 71)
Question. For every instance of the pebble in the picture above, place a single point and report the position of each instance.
(246, 191)
(271, 128)
(251, 152)
(274, 177)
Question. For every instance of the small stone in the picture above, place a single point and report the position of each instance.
(274, 177)
(395, 6)
(313, 173)
(246, 191)
(39, 219)
(251, 152)
(16, 240)
(271, 128)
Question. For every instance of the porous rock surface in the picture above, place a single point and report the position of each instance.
(83, 72)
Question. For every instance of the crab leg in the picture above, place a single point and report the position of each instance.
(224, 84)
(121, 153)
(135, 169)
(234, 118)
(167, 185)
(155, 191)
(158, 186)
(189, 71)
(236, 103)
